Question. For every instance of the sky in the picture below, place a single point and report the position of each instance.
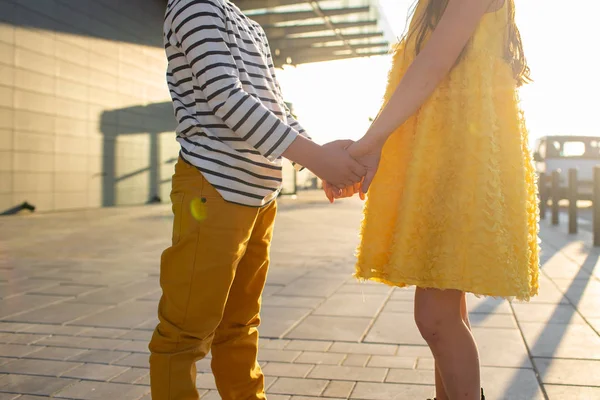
(334, 100)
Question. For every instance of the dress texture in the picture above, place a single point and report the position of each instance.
(454, 203)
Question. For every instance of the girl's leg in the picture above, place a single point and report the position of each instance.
(440, 389)
(439, 317)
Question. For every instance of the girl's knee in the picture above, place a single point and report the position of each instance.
(436, 313)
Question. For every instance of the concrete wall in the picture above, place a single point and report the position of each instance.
(85, 116)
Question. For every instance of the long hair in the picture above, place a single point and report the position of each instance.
(513, 53)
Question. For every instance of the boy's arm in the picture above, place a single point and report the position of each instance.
(199, 31)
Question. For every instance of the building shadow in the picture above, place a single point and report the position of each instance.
(78, 17)
(548, 342)
(152, 120)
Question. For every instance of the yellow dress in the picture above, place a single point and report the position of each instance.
(454, 202)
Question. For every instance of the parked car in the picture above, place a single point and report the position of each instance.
(563, 153)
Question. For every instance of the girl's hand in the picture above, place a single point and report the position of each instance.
(349, 191)
(368, 154)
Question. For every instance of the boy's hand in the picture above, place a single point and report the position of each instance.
(330, 162)
(335, 166)
(367, 155)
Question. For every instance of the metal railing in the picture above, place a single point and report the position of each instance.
(550, 189)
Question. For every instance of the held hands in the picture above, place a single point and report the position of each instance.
(334, 165)
(368, 155)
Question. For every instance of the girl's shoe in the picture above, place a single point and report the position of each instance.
(482, 396)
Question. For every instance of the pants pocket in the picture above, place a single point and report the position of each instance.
(177, 207)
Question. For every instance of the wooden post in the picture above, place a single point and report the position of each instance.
(543, 193)
(555, 196)
(573, 195)
(596, 205)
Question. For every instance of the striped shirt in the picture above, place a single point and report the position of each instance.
(233, 124)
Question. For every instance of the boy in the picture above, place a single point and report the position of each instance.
(233, 127)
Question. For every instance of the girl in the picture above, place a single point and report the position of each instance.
(453, 206)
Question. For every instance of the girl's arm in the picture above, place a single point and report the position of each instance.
(432, 64)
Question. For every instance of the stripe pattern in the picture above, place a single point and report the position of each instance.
(233, 124)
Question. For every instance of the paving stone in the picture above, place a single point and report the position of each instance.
(292, 301)
(38, 367)
(351, 305)
(411, 376)
(100, 356)
(311, 398)
(316, 357)
(56, 353)
(287, 370)
(501, 348)
(135, 360)
(137, 335)
(510, 384)
(293, 386)
(342, 373)
(339, 389)
(386, 391)
(128, 315)
(414, 351)
(17, 350)
(365, 288)
(104, 333)
(403, 294)
(397, 328)
(62, 341)
(284, 276)
(547, 313)
(278, 355)
(310, 287)
(206, 381)
(116, 295)
(29, 384)
(563, 341)
(548, 293)
(279, 397)
(95, 372)
(309, 345)
(57, 329)
(9, 396)
(14, 327)
(425, 363)
(68, 290)
(363, 348)
(392, 362)
(58, 313)
(561, 392)
(21, 338)
(569, 372)
(356, 360)
(276, 321)
(330, 328)
(595, 324)
(101, 344)
(88, 390)
(23, 303)
(487, 305)
(492, 320)
(397, 306)
(279, 344)
(134, 347)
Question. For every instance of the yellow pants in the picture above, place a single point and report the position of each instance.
(212, 278)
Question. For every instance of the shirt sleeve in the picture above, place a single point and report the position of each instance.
(291, 120)
(199, 30)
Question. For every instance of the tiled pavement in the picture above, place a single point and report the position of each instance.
(79, 293)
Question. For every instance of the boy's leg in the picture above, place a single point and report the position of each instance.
(235, 346)
(197, 272)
